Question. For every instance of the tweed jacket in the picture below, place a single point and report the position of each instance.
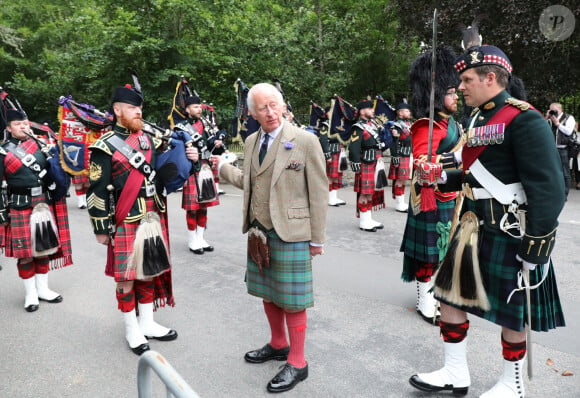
(298, 187)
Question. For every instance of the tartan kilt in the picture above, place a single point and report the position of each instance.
(18, 233)
(333, 168)
(364, 183)
(499, 267)
(288, 281)
(426, 238)
(402, 171)
(189, 196)
(80, 179)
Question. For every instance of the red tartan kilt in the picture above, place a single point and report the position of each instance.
(403, 172)
(332, 167)
(18, 234)
(80, 179)
(364, 181)
(124, 239)
(189, 197)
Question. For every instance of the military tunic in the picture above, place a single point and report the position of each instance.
(401, 148)
(525, 154)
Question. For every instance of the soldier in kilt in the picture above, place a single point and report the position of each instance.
(196, 212)
(364, 151)
(81, 183)
(427, 229)
(126, 208)
(285, 190)
(35, 223)
(514, 192)
(401, 150)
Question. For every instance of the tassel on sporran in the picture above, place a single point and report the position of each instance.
(458, 280)
(150, 256)
(206, 185)
(381, 180)
(43, 231)
(342, 161)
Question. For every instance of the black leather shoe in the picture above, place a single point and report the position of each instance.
(267, 353)
(429, 319)
(419, 384)
(373, 229)
(208, 249)
(57, 299)
(31, 308)
(380, 226)
(287, 378)
(171, 335)
(141, 349)
(197, 251)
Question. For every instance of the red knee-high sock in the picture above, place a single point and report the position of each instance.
(191, 218)
(41, 265)
(202, 218)
(454, 332)
(296, 322)
(275, 317)
(25, 270)
(424, 273)
(399, 190)
(145, 291)
(513, 352)
(331, 186)
(126, 301)
(81, 191)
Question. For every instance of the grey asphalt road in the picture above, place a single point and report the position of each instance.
(363, 338)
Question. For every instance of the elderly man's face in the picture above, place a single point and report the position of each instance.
(268, 110)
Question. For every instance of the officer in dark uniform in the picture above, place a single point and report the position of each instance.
(128, 214)
(365, 151)
(401, 151)
(514, 192)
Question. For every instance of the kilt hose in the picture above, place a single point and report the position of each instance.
(425, 239)
(333, 169)
(364, 184)
(402, 171)
(189, 196)
(288, 281)
(18, 242)
(499, 267)
(123, 248)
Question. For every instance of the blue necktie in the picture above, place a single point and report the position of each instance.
(263, 148)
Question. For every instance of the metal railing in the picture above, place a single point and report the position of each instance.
(174, 383)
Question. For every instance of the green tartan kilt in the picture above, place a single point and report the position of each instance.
(426, 238)
(499, 268)
(288, 281)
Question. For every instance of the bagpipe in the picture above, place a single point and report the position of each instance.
(213, 132)
(80, 126)
(243, 124)
(341, 117)
(385, 114)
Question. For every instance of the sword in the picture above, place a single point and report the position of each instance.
(526, 276)
(432, 96)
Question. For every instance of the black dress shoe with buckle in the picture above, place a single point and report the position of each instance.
(287, 378)
(171, 335)
(267, 353)
(57, 299)
(196, 251)
(419, 384)
(140, 349)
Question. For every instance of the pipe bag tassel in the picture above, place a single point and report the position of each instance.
(206, 185)
(381, 180)
(150, 256)
(458, 280)
(43, 231)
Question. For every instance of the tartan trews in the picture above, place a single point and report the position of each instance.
(288, 281)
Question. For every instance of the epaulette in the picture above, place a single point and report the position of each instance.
(474, 112)
(521, 105)
(102, 145)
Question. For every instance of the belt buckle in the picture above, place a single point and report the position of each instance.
(150, 190)
(36, 191)
(28, 160)
(137, 160)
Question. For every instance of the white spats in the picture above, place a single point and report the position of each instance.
(147, 325)
(133, 332)
(511, 382)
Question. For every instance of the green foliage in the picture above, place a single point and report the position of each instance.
(315, 47)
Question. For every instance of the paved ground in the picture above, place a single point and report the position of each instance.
(363, 337)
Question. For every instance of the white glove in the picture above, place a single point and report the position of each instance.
(443, 178)
(458, 155)
(525, 264)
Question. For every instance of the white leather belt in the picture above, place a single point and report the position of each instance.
(493, 187)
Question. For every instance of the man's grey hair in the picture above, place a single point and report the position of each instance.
(267, 87)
